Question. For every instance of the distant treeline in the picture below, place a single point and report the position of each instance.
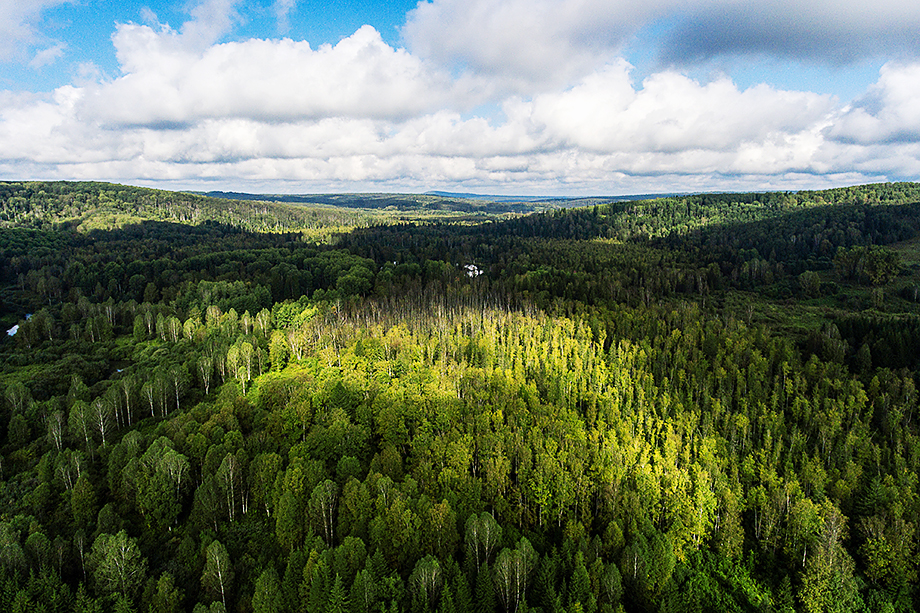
(87, 206)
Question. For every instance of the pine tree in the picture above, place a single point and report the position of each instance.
(485, 601)
(267, 597)
(338, 600)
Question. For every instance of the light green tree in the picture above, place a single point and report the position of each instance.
(168, 597)
(426, 581)
(217, 576)
(267, 597)
(512, 573)
(118, 565)
(828, 584)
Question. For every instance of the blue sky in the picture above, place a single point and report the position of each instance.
(567, 97)
(85, 29)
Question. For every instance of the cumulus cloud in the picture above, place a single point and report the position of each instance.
(18, 28)
(525, 42)
(603, 134)
(888, 113)
(168, 84)
(193, 105)
(671, 113)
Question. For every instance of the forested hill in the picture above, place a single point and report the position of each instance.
(680, 215)
(432, 202)
(700, 403)
(87, 206)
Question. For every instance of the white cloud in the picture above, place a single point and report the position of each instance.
(533, 44)
(525, 42)
(41, 129)
(190, 106)
(283, 8)
(167, 84)
(150, 18)
(671, 113)
(18, 25)
(47, 56)
(211, 20)
(889, 112)
(603, 135)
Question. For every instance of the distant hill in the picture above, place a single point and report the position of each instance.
(291, 198)
(495, 198)
(560, 199)
(311, 198)
(86, 206)
(371, 199)
(429, 201)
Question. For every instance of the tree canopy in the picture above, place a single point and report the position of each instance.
(688, 403)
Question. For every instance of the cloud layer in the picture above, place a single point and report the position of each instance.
(547, 106)
(835, 31)
(554, 40)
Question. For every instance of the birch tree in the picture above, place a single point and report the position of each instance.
(217, 576)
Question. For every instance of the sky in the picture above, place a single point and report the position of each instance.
(523, 97)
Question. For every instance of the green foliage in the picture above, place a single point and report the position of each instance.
(119, 566)
(168, 598)
(869, 265)
(623, 407)
(83, 502)
(217, 576)
(426, 581)
(512, 571)
(267, 597)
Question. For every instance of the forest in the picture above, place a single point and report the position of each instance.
(686, 403)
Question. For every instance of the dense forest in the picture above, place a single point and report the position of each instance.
(93, 206)
(694, 403)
